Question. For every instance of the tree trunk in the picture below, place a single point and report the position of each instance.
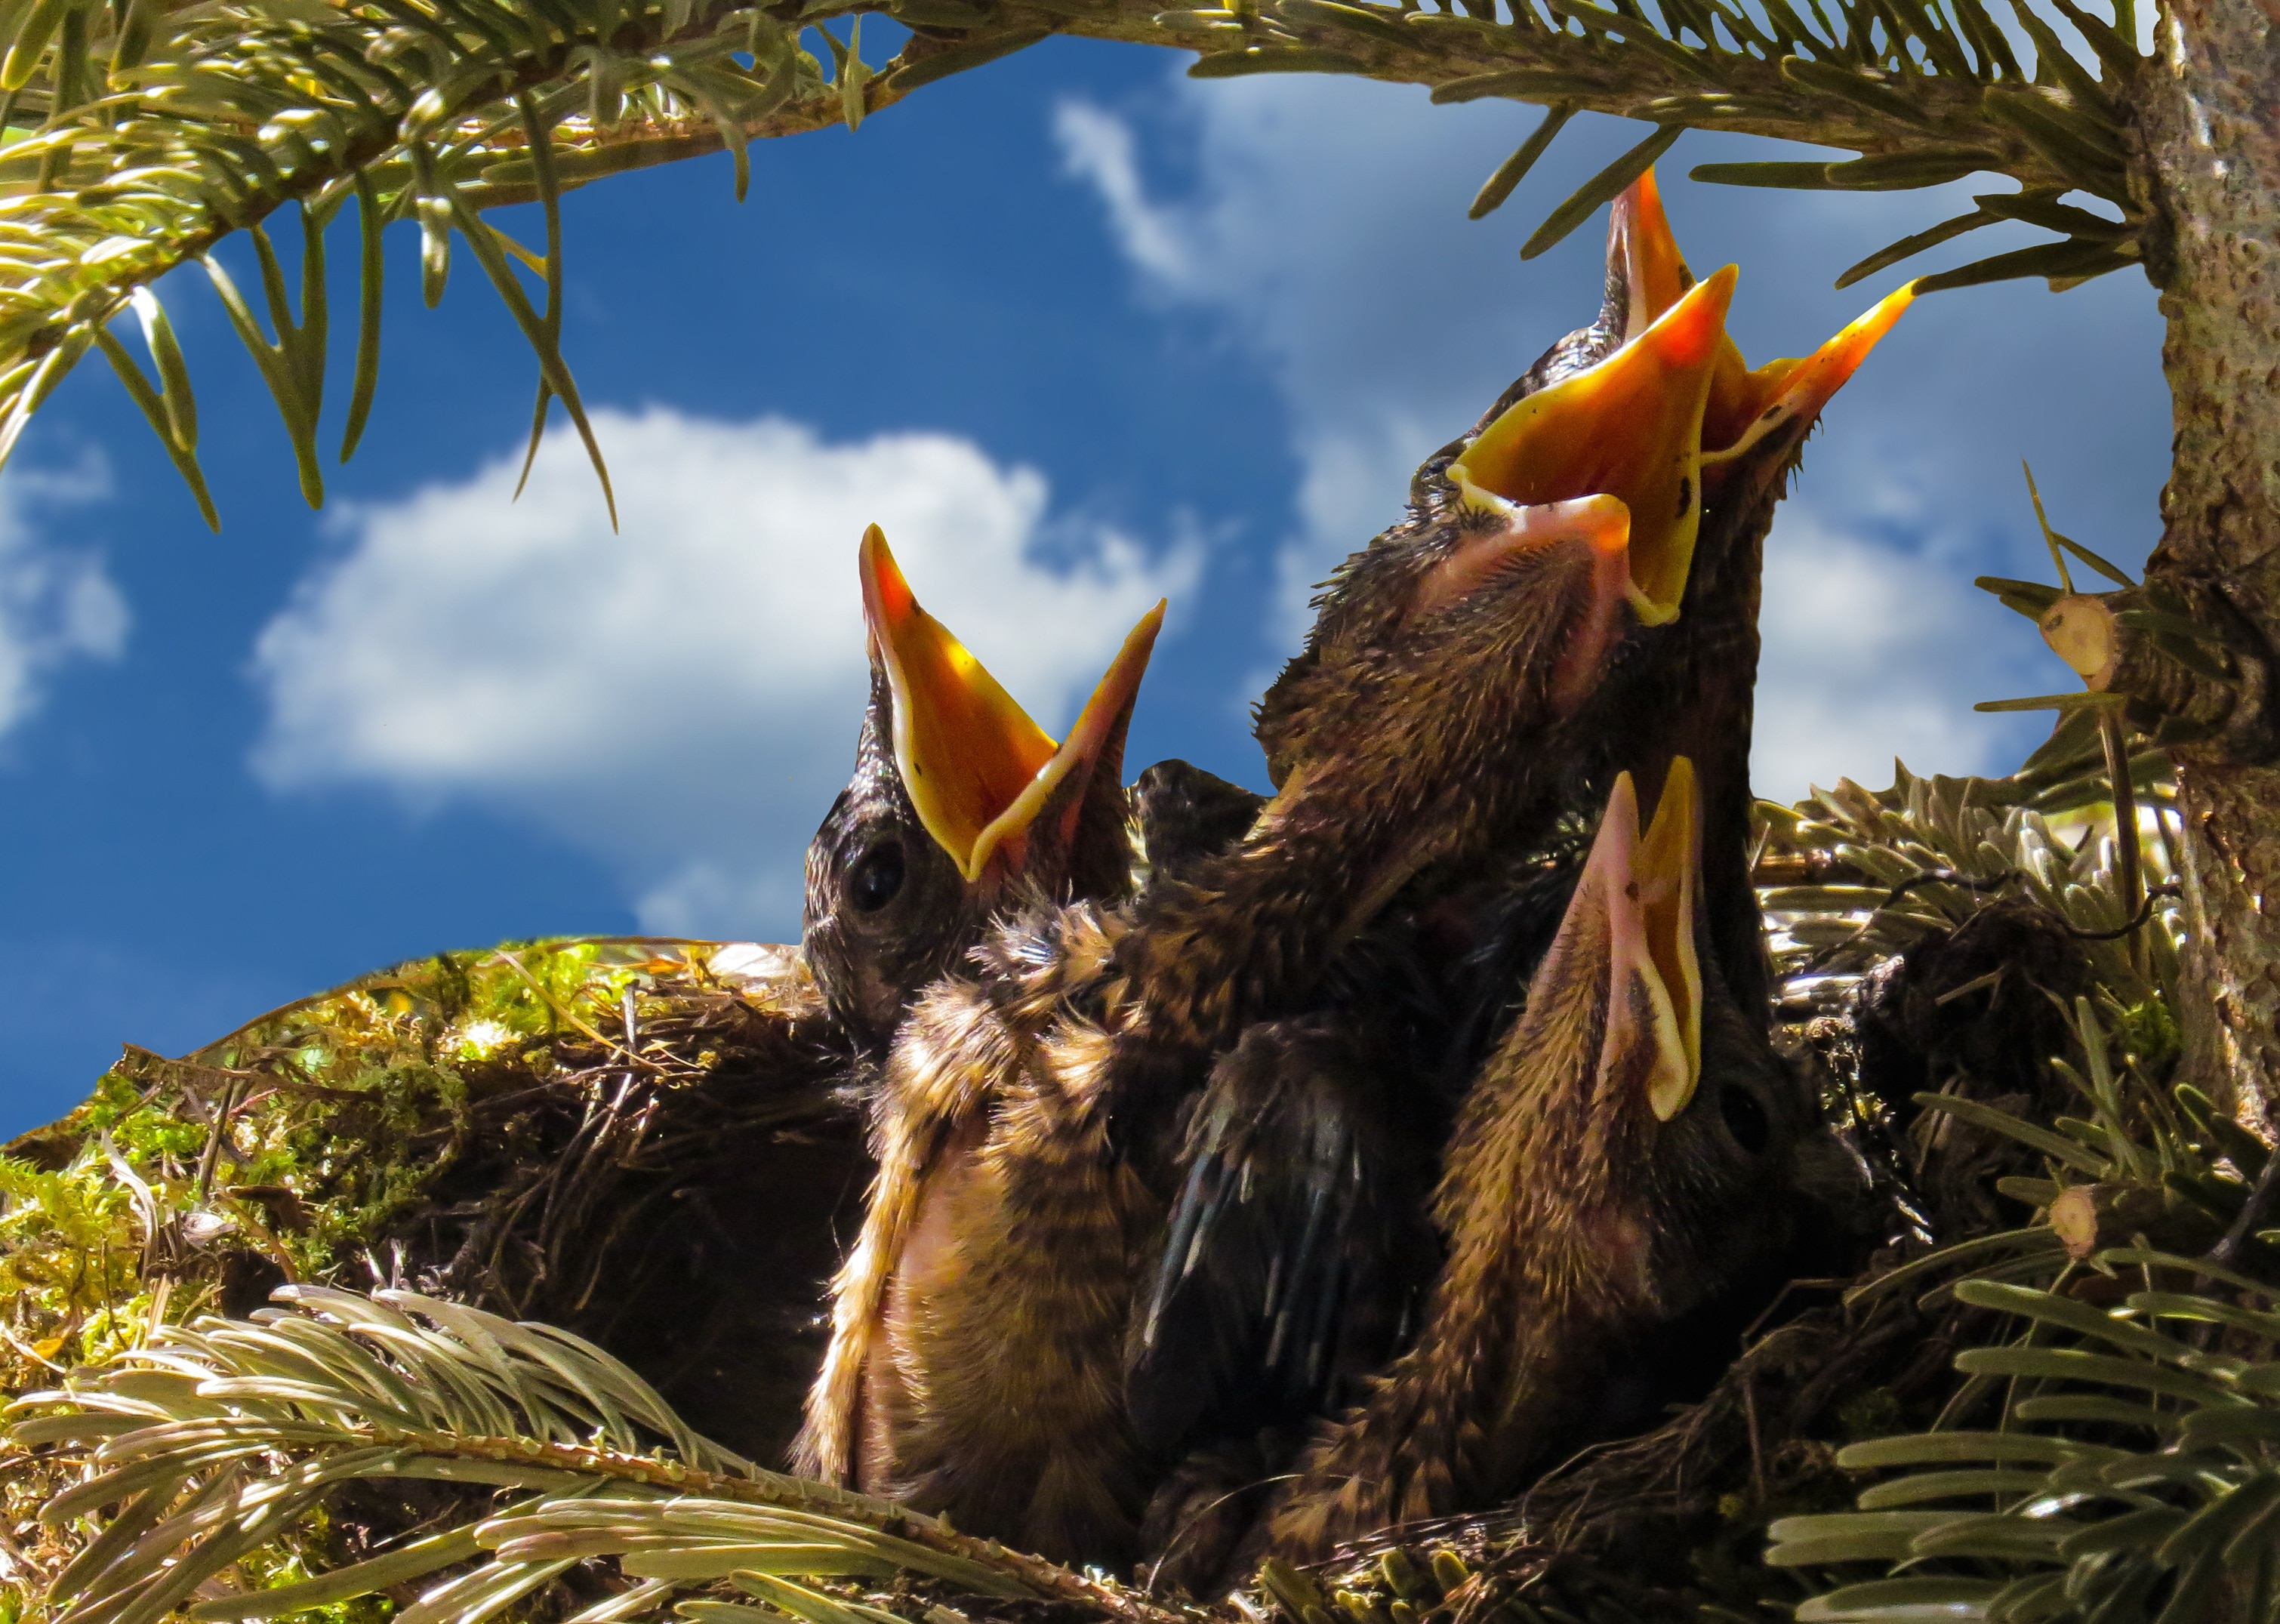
(2209, 121)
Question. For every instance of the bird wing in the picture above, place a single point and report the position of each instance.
(1296, 1241)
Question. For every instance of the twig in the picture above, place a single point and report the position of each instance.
(1757, 1446)
(1993, 978)
(215, 1137)
(27, 1351)
(1782, 1297)
(262, 1236)
(1931, 876)
(2144, 911)
(547, 998)
(2171, 857)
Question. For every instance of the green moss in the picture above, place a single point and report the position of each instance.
(342, 1112)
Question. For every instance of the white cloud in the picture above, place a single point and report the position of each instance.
(1098, 148)
(58, 603)
(681, 699)
(1321, 221)
(1843, 620)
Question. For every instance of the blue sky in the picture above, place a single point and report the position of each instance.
(1078, 332)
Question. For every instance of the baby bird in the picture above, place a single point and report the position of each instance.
(1180, 813)
(1025, 1121)
(1623, 1154)
(1452, 687)
(1281, 1223)
(959, 804)
(1292, 1177)
(1480, 671)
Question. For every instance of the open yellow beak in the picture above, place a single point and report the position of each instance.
(1645, 882)
(978, 770)
(1629, 428)
(1745, 405)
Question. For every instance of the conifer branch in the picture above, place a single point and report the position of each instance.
(216, 1441)
(140, 137)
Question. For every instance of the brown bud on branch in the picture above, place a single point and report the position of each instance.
(2188, 679)
(2089, 1218)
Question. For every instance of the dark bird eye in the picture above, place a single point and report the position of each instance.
(876, 877)
(1745, 1119)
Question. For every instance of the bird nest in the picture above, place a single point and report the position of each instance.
(614, 1136)
(655, 1146)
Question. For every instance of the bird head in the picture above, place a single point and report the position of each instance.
(1651, 405)
(1564, 520)
(1658, 1125)
(1629, 427)
(1597, 449)
(1697, 695)
(959, 801)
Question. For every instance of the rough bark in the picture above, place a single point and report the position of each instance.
(2209, 122)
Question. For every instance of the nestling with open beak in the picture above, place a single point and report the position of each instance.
(1451, 693)
(1471, 677)
(1755, 427)
(959, 806)
(980, 1324)
(1623, 1155)
(1648, 434)
(1280, 1169)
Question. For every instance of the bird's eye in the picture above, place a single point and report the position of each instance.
(1745, 1119)
(876, 877)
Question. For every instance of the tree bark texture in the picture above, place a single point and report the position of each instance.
(2209, 124)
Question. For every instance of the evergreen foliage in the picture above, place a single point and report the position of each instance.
(139, 135)
(2107, 1445)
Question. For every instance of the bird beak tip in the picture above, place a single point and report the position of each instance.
(886, 593)
(1639, 242)
(1749, 408)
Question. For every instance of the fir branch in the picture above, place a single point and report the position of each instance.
(153, 132)
(218, 1440)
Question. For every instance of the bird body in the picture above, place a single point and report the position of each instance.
(960, 807)
(1013, 1103)
(979, 1317)
(1567, 1229)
